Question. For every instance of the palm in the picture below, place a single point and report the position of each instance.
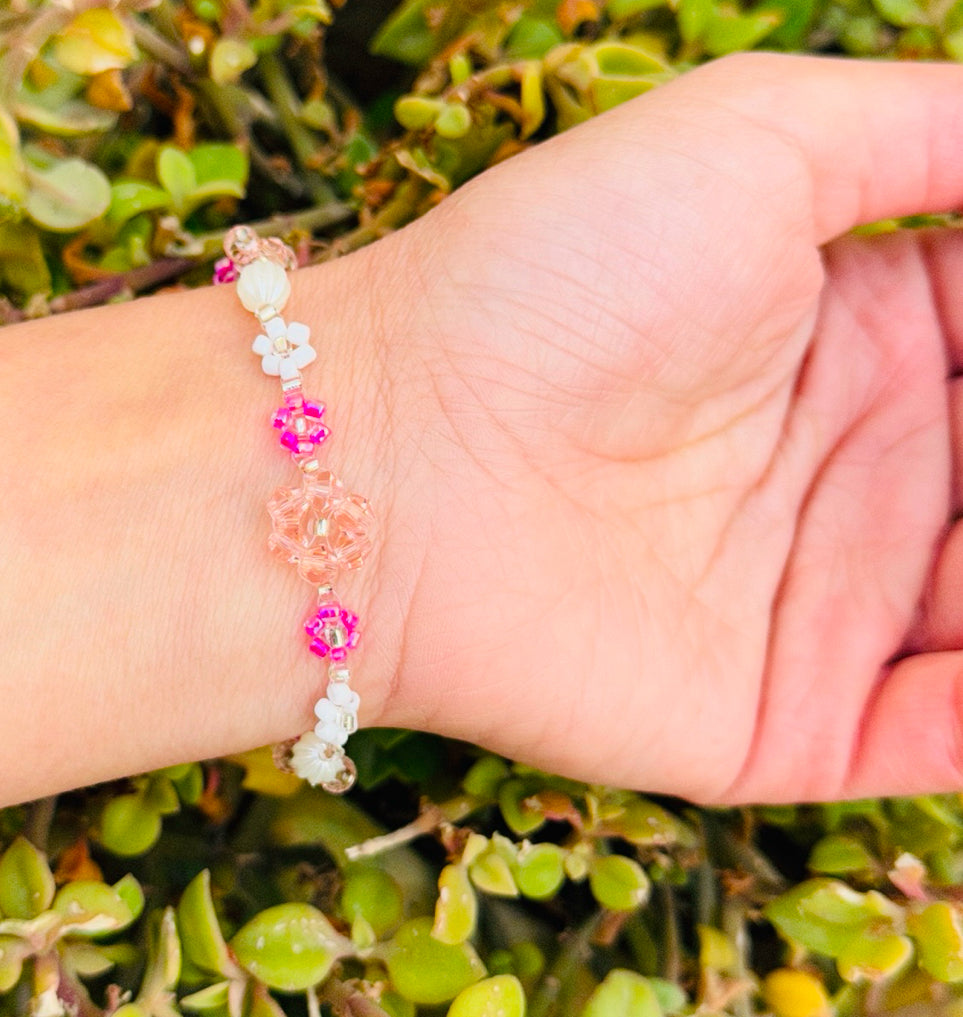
(691, 486)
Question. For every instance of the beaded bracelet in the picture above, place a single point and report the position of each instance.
(319, 527)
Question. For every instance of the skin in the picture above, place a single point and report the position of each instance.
(666, 467)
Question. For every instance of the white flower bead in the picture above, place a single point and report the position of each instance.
(315, 760)
(285, 349)
(262, 284)
(344, 696)
(334, 723)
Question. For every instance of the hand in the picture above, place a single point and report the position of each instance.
(682, 457)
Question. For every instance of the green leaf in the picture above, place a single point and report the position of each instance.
(501, 996)
(176, 173)
(426, 971)
(619, 9)
(67, 195)
(416, 112)
(221, 165)
(645, 824)
(457, 907)
(372, 894)
(871, 958)
(289, 947)
(160, 795)
(212, 997)
(129, 825)
(85, 959)
(454, 120)
(89, 908)
(189, 783)
(522, 816)
(540, 870)
(131, 197)
(229, 59)
(131, 893)
(716, 949)
(406, 36)
(837, 854)
(13, 952)
(200, 932)
(902, 13)
(26, 882)
(694, 17)
(623, 994)
(618, 883)
(671, 998)
(531, 38)
(484, 777)
(13, 181)
(825, 915)
(938, 932)
(164, 961)
(493, 874)
(395, 1005)
(730, 31)
(96, 40)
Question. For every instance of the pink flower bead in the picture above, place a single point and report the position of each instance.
(334, 631)
(300, 426)
(320, 527)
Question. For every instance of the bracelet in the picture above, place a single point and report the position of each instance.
(319, 526)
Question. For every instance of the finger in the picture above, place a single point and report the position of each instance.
(911, 740)
(942, 252)
(940, 626)
(878, 140)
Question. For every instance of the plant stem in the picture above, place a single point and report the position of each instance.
(401, 209)
(576, 950)
(427, 821)
(303, 143)
(672, 963)
(39, 818)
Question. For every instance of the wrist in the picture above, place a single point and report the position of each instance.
(142, 616)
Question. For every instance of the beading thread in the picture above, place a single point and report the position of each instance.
(318, 526)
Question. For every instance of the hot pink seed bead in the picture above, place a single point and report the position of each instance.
(225, 271)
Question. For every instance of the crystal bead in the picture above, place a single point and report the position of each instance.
(338, 672)
(345, 779)
(319, 527)
(263, 284)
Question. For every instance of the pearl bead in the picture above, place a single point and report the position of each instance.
(262, 285)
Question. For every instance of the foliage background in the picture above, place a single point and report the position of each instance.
(132, 135)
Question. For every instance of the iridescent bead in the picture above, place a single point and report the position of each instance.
(315, 760)
(262, 284)
(319, 527)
